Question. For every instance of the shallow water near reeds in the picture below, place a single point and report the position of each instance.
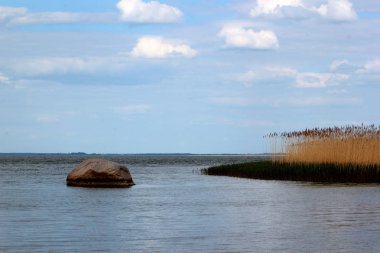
(172, 208)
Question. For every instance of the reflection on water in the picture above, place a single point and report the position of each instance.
(172, 209)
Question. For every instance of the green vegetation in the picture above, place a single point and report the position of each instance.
(298, 172)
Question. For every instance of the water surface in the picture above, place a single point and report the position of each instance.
(174, 209)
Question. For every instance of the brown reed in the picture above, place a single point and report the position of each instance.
(347, 145)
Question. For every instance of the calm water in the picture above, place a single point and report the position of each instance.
(173, 209)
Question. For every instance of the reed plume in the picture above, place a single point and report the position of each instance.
(348, 145)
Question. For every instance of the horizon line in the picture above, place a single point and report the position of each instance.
(84, 153)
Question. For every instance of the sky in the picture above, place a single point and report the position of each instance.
(170, 76)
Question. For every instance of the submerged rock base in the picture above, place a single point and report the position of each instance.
(100, 184)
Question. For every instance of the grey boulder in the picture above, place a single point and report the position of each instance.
(99, 173)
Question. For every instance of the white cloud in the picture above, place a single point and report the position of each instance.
(65, 65)
(157, 47)
(336, 10)
(242, 37)
(273, 73)
(273, 7)
(3, 78)
(335, 65)
(148, 12)
(340, 72)
(339, 10)
(372, 66)
(251, 77)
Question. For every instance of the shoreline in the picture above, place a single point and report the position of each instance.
(323, 173)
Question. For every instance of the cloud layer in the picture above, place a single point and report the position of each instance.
(336, 10)
(318, 80)
(340, 72)
(65, 65)
(139, 11)
(132, 11)
(21, 16)
(8, 13)
(299, 79)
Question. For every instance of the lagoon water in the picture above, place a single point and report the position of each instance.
(173, 208)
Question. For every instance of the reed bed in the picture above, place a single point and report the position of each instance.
(349, 154)
(348, 145)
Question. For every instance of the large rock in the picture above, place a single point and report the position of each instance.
(99, 173)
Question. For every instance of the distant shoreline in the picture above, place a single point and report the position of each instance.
(138, 154)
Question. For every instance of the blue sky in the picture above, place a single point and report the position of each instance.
(171, 76)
